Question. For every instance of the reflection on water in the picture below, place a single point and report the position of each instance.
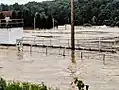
(20, 55)
(72, 67)
(73, 57)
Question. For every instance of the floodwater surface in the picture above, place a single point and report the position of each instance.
(57, 70)
(57, 67)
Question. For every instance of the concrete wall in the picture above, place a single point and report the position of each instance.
(9, 35)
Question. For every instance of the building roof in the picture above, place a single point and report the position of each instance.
(7, 13)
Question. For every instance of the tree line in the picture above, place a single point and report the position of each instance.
(93, 12)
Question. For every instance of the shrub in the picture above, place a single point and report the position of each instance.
(21, 86)
(2, 84)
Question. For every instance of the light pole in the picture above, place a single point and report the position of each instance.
(72, 26)
(53, 24)
(35, 20)
(34, 23)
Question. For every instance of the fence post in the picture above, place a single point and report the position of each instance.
(59, 52)
(46, 50)
(50, 42)
(103, 58)
(22, 44)
(19, 44)
(68, 43)
(77, 43)
(64, 52)
(99, 44)
(34, 40)
(43, 41)
(114, 43)
(59, 41)
(31, 48)
(81, 55)
(87, 87)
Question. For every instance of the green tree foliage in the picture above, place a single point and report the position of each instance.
(49, 22)
(95, 12)
(4, 7)
(28, 18)
(4, 85)
(2, 16)
(14, 15)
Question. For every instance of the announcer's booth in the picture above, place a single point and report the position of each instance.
(10, 30)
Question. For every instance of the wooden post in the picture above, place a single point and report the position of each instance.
(81, 55)
(46, 50)
(65, 26)
(22, 47)
(59, 51)
(59, 41)
(103, 58)
(43, 41)
(64, 52)
(31, 48)
(99, 44)
(34, 40)
(68, 43)
(114, 42)
(19, 44)
(18, 48)
(78, 43)
(87, 87)
(72, 26)
(50, 42)
(22, 44)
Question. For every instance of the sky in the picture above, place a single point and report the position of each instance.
(18, 1)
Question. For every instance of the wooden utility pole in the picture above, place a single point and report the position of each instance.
(72, 26)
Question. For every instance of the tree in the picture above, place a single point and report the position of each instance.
(14, 15)
(96, 12)
(16, 7)
(2, 16)
(28, 18)
(49, 22)
(4, 7)
(19, 15)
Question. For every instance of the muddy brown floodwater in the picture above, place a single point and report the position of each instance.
(57, 71)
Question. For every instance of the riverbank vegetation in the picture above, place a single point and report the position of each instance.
(94, 12)
(12, 85)
(4, 85)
